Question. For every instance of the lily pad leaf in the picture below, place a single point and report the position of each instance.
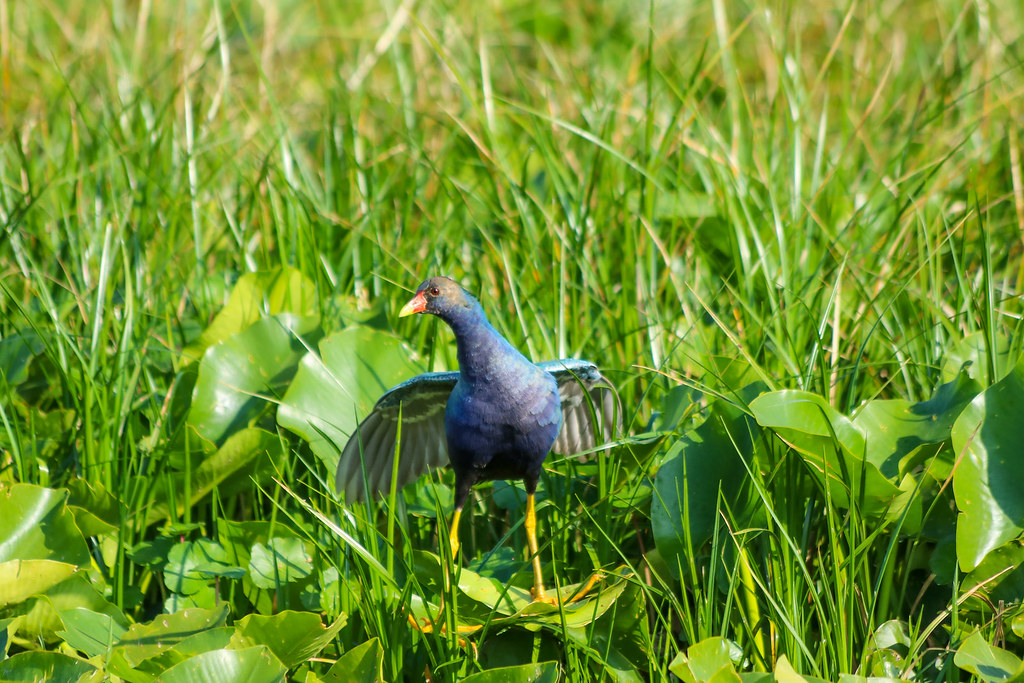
(543, 672)
(900, 433)
(280, 561)
(245, 456)
(22, 579)
(94, 633)
(988, 662)
(988, 481)
(998, 579)
(710, 659)
(144, 641)
(833, 448)
(239, 376)
(253, 664)
(193, 565)
(971, 355)
(42, 616)
(36, 524)
(362, 664)
(44, 666)
(332, 391)
(292, 636)
(16, 353)
(257, 296)
(706, 463)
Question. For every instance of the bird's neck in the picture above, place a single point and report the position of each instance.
(481, 349)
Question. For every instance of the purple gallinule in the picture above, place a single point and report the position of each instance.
(496, 418)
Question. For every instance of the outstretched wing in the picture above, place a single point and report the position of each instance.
(591, 412)
(371, 449)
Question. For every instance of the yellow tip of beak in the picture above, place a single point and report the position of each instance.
(416, 305)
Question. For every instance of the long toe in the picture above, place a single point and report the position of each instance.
(541, 595)
(584, 589)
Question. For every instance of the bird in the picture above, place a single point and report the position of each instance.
(496, 418)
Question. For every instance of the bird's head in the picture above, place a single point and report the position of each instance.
(440, 296)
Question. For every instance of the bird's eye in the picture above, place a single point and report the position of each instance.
(434, 291)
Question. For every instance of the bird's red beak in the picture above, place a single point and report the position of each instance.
(416, 305)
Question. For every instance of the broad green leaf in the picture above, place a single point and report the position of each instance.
(619, 637)
(677, 404)
(501, 604)
(854, 678)
(887, 651)
(970, 355)
(253, 665)
(833, 449)
(193, 565)
(892, 634)
(785, 673)
(293, 637)
(16, 352)
(93, 633)
(207, 597)
(4, 624)
(35, 524)
(362, 664)
(257, 296)
(517, 646)
(239, 375)
(242, 540)
(997, 580)
(238, 538)
(21, 579)
(807, 422)
(143, 641)
(52, 667)
(989, 479)
(354, 312)
(708, 461)
(95, 509)
(988, 662)
(710, 659)
(544, 672)
(41, 618)
(280, 561)
(572, 610)
(205, 641)
(332, 391)
(154, 552)
(897, 429)
(908, 507)
(247, 455)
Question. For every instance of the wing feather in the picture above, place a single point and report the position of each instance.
(591, 413)
(371, 448)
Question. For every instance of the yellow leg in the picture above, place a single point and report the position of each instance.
(531, 541)
(453, 531)
(428, 626)
(539, 594)
(586, 588)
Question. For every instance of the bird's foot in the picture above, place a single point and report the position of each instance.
(541, 595)
(428, 626)
(582, 591)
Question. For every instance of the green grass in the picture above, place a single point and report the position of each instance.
(815, 198)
